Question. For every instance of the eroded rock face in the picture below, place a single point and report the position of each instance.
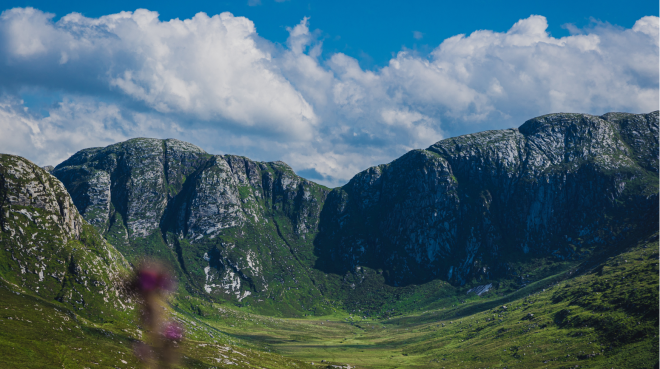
(133, 178)
(558, 185)
(249, 226)
(232, 225)
(24, 187)
(241, 222)
(47, 247)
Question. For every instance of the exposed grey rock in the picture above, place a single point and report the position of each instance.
(202, 211)
(480, 290)
(558, 185)
(25, 186)
(135, 178)
(47, 247)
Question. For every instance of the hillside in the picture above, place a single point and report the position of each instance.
(47, 248)
(468, 208)
(62, 303)
(529, 247)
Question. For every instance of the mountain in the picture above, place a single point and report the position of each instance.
(61, 298)
(230, 226)
(48, 249)
(560, 186)
(535, 246)
(468, 210)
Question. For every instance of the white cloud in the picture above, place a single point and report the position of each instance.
(213, 81)
(208, 68)
(51, 140)
(71, 126)
(649, 26)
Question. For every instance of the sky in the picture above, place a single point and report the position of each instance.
(331, 88)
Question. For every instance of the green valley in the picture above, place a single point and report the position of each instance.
(604, 316)
(534, 247)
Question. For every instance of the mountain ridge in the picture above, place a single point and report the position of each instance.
(465, 210)
(467, 178)
(164, 197)
(246, 237)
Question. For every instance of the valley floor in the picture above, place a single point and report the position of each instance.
(605, 316)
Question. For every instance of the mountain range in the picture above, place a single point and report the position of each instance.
(465, 210)
(452, 231)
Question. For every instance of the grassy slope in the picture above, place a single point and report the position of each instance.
(606, 316)
(35, 333)
(603, 316)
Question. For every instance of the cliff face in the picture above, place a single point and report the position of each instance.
(133, 179)
(232, 226)
(48, 248)
(560, 185)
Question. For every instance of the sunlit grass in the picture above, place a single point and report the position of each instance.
(561, 321)
(599, 316)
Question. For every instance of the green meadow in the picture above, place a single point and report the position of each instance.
(601, 313)
(604, 316)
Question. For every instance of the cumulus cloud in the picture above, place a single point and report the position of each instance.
(207, 68)
(491, 80)
(71, 126)
(215, 82)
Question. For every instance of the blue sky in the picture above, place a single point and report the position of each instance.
(372, 30)
(329, 87)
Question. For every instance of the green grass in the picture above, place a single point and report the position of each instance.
(589, 319)
(35, 333)
(594, 315)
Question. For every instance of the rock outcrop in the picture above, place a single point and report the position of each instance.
(561, 185)
(232, 226)
(48, 248)
(134, 178)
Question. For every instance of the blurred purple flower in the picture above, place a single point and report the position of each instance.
(153, 279)
(148, 280)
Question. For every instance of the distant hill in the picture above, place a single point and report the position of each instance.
(232, 228)
(560, 186)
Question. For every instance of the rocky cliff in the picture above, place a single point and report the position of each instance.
(233, 227)
(561, 185)
(47, 247)
(558, 187)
